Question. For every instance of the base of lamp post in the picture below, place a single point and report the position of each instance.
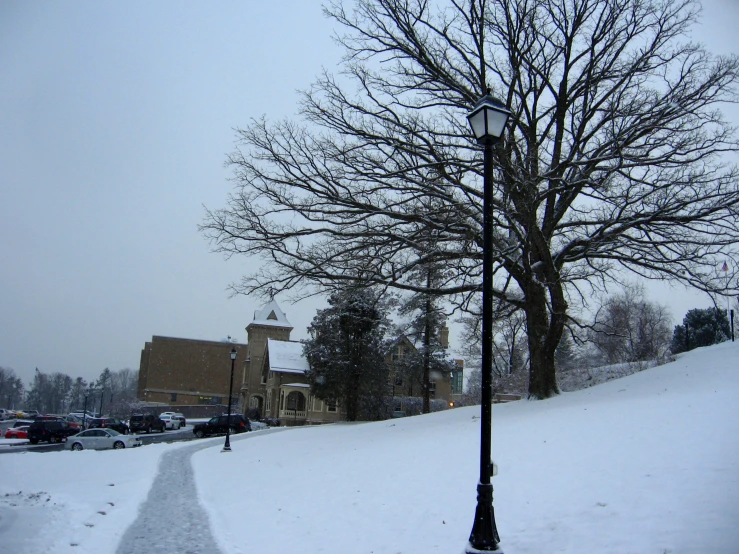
(484, 536)
(226, 449)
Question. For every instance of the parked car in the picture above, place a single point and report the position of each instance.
(73, 421)
(47, 417)
(170, 421)
(181, 417)
(99, 439)
(49, 430)
(20, 432)
(7, 414)
(217, 425)
(27, 414)
(140, 423)
(109, 423)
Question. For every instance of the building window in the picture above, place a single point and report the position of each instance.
(173, 397)
(398, 381)
(210, 400)
(331, 405)
(296, 402)
(432, 389)
(457, 382)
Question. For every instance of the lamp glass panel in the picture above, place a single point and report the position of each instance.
(477, 122)
(496, 122)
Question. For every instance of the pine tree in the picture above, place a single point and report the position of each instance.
(346, 353)
(704, 327)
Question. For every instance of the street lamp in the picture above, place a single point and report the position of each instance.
(488, 120)
(84, 410)
(227, 446)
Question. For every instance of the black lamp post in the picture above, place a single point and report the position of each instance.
(227, 446)
(88, 393)
(488, 120)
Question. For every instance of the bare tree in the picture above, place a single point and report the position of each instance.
(630, 328)
(11, 388)
(612, 159)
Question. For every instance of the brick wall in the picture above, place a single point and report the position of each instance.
(184, 371)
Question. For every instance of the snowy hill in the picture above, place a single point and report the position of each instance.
(644, 464)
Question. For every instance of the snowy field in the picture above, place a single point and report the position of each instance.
(644, 464)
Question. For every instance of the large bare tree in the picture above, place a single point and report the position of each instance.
(614, 158)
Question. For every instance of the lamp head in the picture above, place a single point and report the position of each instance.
(488, 119)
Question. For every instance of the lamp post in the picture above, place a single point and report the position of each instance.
(227, 446)
(84, 410)
(488, 120)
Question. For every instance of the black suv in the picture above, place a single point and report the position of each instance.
(48, 430)
(140, 423)
(217, 425)
(109, 423)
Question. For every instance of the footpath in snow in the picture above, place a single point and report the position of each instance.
(172, 519)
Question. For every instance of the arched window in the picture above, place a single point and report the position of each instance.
(296, 401)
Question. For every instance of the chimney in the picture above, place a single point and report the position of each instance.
(444, 336)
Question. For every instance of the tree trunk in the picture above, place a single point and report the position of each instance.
(541, 335)
(427, 351)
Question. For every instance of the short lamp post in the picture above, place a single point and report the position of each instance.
(227, 446)
(488, 120)
(87, 393)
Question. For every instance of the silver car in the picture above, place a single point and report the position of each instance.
(99, 439)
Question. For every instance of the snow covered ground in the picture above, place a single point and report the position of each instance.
(644, 464)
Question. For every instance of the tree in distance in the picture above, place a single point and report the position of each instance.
(705, 327)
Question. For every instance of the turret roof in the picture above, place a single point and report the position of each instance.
(271, 314)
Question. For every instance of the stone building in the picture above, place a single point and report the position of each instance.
(269, 375)
(274, 380)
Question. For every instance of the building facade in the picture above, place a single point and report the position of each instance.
(269, 377)
(177, 371)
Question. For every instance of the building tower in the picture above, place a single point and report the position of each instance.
(269, 322)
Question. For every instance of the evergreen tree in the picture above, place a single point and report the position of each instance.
(426, 321)
(346, 352)
(705, 327)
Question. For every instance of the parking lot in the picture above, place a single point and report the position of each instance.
(20, 445)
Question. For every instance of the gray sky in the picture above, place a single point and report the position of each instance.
(115, 119)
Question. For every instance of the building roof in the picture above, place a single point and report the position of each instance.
(271, 314)
(286, 356)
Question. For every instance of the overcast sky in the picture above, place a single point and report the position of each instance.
(115, 120)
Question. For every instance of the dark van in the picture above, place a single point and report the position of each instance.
(144, 423)
(44, 430)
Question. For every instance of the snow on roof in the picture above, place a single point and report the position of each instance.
(271, 314)
(301, 385)
(286, 356)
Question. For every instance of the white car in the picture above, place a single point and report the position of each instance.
(99, 439)
(170, 421)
